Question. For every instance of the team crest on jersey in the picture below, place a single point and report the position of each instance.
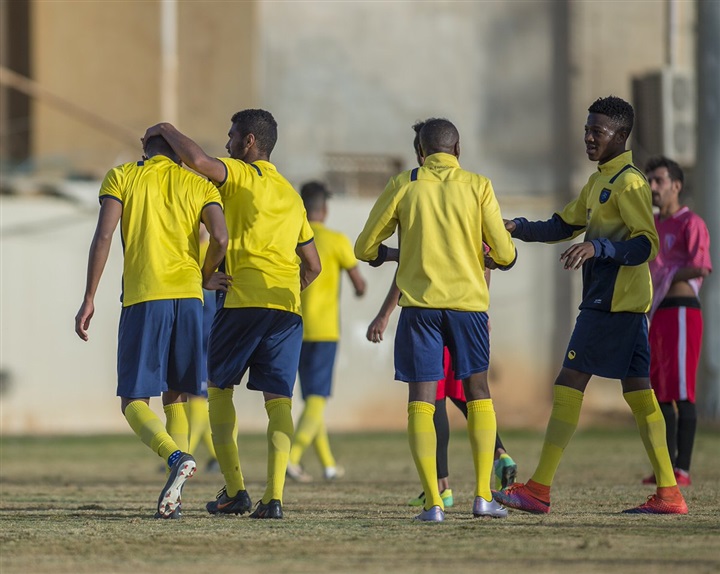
(604, 195)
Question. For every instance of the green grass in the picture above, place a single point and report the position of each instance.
(85, 504)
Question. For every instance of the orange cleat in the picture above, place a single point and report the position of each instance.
(519, 497)
(656, 505)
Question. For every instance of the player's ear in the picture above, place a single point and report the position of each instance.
(456, 149)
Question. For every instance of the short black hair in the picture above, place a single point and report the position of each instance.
(417, 126)
(314, 195)
(158, 145)
(438, 135)
(259, 123)
(617, 109)
(674, 170)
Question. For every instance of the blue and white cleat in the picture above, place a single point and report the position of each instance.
(433, 514)
(493, 509)
(171, 496)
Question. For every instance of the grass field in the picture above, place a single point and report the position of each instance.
(85, 504)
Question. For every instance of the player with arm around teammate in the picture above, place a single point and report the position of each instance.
(610, 338)
(160, 206)
(259, 327)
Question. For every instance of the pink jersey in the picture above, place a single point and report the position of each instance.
(684, 242)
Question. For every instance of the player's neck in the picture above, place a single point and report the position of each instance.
(668, 211)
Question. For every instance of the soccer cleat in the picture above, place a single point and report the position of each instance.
(505, 471)
(333, 472)
(272, 509)
(656, 505)
(518, 496)
(446, 495)
(170, 497)
(482, 507)
(297, 473)
(682, 477)
(433, 514)
(177, 513)
(223, 504)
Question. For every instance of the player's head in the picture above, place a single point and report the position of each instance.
(608, 127)
(315, 195)
(439, 136)
(417, 126)
(158, 145)
(252, 129)
(666, 179)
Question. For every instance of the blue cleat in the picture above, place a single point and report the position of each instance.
(505, 471)
(171, 496)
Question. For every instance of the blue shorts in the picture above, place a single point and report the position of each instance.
(266, 341)
(421, 335)
(209, 307)
(317, 360)
(160, 348)
(610, 345)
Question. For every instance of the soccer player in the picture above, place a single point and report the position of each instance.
(610, 338)
(676, 325)
(448, 386)
(160, 336)
(259, 327)
(321, 332)
(444, 213)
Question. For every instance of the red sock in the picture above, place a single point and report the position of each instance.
(670, 493)
(539, 491)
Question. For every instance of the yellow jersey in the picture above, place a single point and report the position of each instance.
(162, 205)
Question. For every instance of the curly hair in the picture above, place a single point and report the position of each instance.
(617, 109)
(259, 123)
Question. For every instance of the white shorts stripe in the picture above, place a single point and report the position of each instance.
(682, 353)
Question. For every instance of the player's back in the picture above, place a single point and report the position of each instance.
(320, 304)
(266, 222)
(162, 207)
(444, 213)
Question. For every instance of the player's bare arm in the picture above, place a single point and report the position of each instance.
(310, 266)
(577, 254)
(358, 281)
(190, 153)
(110, 213)
(214, 220)
(377, 327)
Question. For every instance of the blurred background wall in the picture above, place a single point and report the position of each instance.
(346, 80)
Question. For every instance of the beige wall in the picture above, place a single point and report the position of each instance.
(105, 57)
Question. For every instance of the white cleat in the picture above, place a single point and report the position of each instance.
(433, 514)
(482, 507)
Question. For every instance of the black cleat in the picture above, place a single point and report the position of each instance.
(223, 504)
(272, 509)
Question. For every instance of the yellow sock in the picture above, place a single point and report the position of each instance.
(279, 437)
(208, 441)
(223, 423)
(322, 447)
(176, 424)
(651, 425)
(567, 403)
(423, 444)
(198, 419)
(148, 426)
(310, 422)
(482, 426)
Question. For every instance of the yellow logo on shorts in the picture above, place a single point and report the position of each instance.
(571, 355)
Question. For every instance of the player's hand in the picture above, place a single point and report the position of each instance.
(510, 225)
(577, 254)
(82, 319)
(490, 263)
(376, 329)
(218, 282)
(155, 130)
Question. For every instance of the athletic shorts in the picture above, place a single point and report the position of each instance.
(611, 345)
(209, 307)
(317, 359)
(160, 348)
(449, 386)
(265, 341)
(675, 342)
(422, 335)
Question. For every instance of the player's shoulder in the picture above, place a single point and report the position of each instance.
(629, 177)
